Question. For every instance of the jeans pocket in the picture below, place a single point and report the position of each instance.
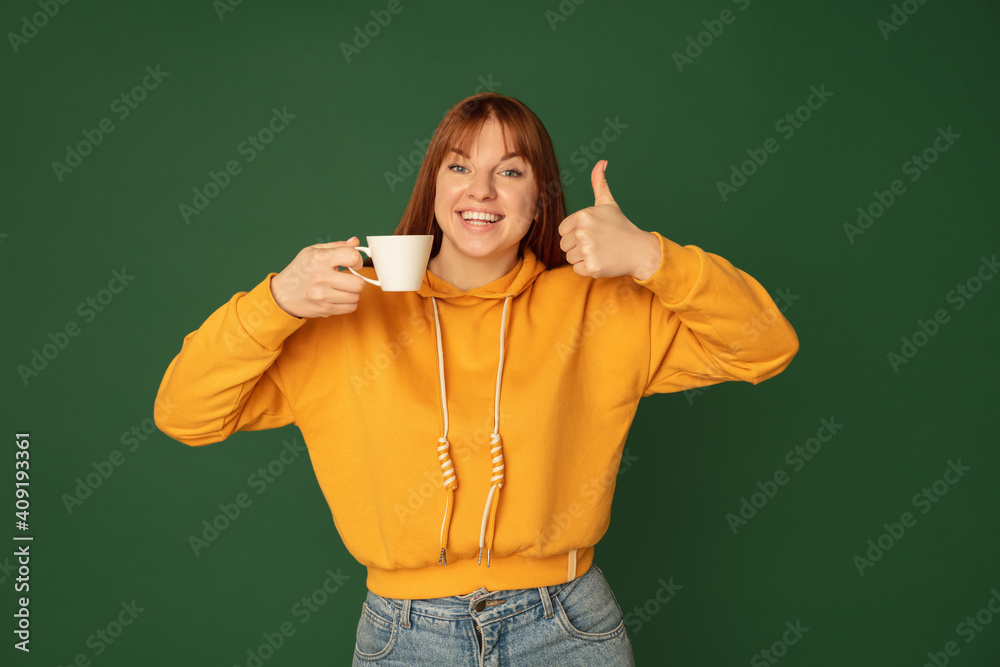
(587, 609)
(376, 635)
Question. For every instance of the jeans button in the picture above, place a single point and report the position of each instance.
(480, 605)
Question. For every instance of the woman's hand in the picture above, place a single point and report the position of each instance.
(600, 242)
(312, 285)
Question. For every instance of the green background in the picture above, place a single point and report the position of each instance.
(323, 178)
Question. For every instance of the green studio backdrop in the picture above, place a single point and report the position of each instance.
(844, 154)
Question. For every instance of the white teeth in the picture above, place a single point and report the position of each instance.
(472, 216)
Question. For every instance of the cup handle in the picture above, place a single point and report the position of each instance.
(368, 252)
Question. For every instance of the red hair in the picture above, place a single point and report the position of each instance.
(459, 127)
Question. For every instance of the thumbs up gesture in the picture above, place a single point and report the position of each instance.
(600, 242)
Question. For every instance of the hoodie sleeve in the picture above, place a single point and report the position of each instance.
(224, 379)
(711, 322)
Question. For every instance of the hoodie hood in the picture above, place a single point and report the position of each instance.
(506, 287)
(512, 283)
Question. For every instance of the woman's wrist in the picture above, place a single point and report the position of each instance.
(648, 257)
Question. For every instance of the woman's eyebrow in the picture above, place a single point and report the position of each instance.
(505, 157)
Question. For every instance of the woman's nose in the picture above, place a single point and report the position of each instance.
(482, 185)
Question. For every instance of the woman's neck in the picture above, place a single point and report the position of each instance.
(467, 273)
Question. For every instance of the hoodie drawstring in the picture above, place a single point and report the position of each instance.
(496, 451)
(444, 454)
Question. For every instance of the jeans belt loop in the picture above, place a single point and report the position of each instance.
(546, 601)
(405, 614)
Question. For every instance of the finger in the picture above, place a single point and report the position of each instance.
(339, 256)
(574, 256)
(345, 281)
(581, 237)
(602, 193)
(338, 297)
(359, 261)
(338, 309)
(568, 224)
(344, 309)
(331, 297)
(567, 242)
(353, 241)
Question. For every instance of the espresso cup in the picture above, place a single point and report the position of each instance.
(400, 260)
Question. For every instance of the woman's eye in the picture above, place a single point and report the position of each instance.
(512, 173)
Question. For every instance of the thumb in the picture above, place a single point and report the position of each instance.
(602, 193)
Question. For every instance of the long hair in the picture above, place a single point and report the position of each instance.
(458, 129)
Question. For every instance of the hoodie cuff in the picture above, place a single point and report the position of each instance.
(677, 275)
(263, 319)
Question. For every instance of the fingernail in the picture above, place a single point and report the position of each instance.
(605, 166)
(353, 238)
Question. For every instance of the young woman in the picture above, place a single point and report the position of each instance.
(467, 435)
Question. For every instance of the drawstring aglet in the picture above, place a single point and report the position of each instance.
(487, 558)
(442, 560)
(480, 561)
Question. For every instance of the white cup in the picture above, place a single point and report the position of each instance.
(400, 260)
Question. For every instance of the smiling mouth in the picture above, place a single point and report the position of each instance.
(480, 219)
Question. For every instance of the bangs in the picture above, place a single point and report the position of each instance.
(515, 137)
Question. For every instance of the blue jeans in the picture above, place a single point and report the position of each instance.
(574, 623)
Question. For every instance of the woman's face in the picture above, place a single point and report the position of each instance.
(492, 180)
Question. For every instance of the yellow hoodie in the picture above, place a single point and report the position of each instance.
(468, 439)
